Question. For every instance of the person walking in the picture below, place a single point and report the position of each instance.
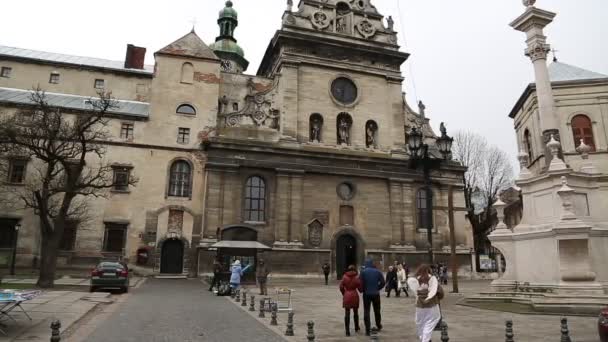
(391, 281)
(261, 274)
(372, 281)
(350, 286)
(428, 295)
(236, 272)
(217, 270)
(443, 273)
(401, 281)
(326, 268)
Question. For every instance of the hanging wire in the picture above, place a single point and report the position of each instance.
(410, 69)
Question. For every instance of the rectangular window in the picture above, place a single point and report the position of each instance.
(114, 237)
(100, 83)
(16, 171)
(54, 79)
(6, 72)
(126, 131)
(7, 233)
(183, 135)
(68, 240)
(121, 178)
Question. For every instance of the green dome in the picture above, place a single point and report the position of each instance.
(227, 45)
(228, 11)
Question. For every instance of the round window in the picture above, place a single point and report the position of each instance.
(344, 90)
(346, 191)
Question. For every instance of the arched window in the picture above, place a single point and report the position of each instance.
(180, 176)
(187, 73)
(582, 130)
(316, 127)
(186, 109)
(371, 134)
(528, 145)
(424, 203)
(343, 124)
(255, 199)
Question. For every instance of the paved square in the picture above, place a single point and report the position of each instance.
(322, 304)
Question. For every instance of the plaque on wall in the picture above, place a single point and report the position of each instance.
(346, 191)
(315, 233)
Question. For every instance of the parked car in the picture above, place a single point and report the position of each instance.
(602, 325)
(110, 275)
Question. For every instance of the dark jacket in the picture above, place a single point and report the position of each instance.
(325, 268)
(372, 280)
(391, 279)
(262, 271)
(349, 286)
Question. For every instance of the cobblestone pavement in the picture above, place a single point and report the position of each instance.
(176, 310)
(322, 304)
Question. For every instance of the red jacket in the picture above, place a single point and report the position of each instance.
(349, 286)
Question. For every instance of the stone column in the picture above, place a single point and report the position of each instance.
(296, 224)
(214, 202)
(396, 210)
(409, 212)
(290, 89)
(532, 22)
(282, 201)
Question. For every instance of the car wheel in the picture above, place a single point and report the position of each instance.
(125, 289)
(92, 289)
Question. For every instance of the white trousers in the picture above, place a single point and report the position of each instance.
(426, 320)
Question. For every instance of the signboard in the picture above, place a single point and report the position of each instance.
(485, 263)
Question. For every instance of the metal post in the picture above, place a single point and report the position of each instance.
(289, 331)
(444, 332)
(55, 334)
(261, 314)
(509, 332)
(252, 303)
(310, 336)
(232, 294)
(565, 331)
(14, 258)
(374, 334)
(244, 302)
(273, 314)
(238, 295)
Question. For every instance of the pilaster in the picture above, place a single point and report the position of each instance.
(290, 88)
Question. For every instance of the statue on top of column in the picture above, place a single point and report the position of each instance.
(529, 3)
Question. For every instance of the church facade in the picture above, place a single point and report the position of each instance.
(305, 162)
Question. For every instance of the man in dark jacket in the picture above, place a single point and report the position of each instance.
(261, 273)
(391, 281)
(372, 282)
(326, 270)
(217, 269)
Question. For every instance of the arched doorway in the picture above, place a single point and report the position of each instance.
(172, 257)
(346, 253)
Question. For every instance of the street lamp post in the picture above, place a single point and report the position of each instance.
(420, 157)
(17, 226)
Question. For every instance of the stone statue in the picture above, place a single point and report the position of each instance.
(315, 132)
(443, 130)
(223, 103)
(343, 134)
(529, 3)
(289, 5)
(341, 25)
(391, 23)
(421, 108)
(370, 135)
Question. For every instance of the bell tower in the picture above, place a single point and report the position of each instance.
(225, 47)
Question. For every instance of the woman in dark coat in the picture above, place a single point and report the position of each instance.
(349, 286)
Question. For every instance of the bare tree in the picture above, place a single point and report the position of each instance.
(67, 166)
(489, 173)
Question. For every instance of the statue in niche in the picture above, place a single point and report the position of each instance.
(343, 131)
(315, 130)
(370, 135)
(391, 23)
(341, 25)
(223, 104)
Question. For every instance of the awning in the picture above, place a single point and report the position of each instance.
(239, 244)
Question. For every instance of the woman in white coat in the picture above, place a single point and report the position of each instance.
(401, 280)
(428, 293)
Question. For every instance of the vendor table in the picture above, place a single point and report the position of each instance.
(10, 300)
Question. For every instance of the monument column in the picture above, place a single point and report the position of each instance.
(532, 22)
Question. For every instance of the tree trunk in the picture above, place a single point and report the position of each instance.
(49, 247)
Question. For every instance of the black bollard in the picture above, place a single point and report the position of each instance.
(374, 334)
(289, 331)
(252, 303)
(310, 336)
(238, 295)
(273, 315)
(509, 332)
(565, 331)
(55, 334)
(244, 302)
(232, 293)
(261, 314)
(444, 332)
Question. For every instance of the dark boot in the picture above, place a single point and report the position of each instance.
(347, 322)
(356, 318)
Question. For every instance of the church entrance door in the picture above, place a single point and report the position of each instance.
(172, 257)
(346, 253)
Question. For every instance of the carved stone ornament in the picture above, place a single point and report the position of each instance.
(538, 50)
(392, 39)
(258, 110)
(320, 20)
(315, 233)
(366, 28)
(290, 19)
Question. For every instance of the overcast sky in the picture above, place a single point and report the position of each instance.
(466, 63)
